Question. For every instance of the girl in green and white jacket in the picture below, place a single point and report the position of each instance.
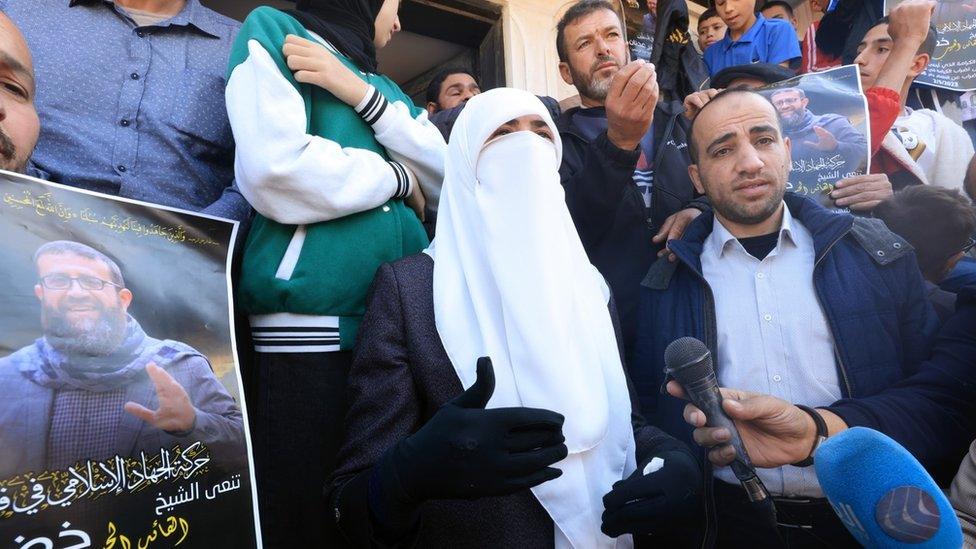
(332, 156)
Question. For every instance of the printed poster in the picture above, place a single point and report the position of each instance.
(122, 424)
(953, 64)
(825, 115)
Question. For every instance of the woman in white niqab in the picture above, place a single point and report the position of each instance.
(512, 282)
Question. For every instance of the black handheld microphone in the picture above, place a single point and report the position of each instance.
(689, 362)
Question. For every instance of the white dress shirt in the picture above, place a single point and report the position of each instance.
(773, 337)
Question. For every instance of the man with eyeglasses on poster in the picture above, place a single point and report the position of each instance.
(95, 385)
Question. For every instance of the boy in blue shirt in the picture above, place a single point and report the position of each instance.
(751, 38)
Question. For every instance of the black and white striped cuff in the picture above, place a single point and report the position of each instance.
(372, 107)
(286, 333)
(404, 184)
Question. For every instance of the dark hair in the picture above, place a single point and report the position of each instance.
(434, 88)
(692, 146)
(936, 221)
(970, 183)
(575, 13)
(707, 14)
(68, 247)
(928, 45)
(785, 5)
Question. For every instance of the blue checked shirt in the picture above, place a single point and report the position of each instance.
(133, 111)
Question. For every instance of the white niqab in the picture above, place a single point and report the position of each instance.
(512, 282)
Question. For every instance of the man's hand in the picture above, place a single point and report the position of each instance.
(672, 229)
(825, 140)
(909, 21)
(312, 63)
(695, 101)
(630, 104)
(862, 192)
(176, 413)
(774, 432)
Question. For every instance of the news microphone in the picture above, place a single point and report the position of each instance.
(882, 493)
(689, 362)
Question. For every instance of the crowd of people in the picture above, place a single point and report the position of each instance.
(458, 312)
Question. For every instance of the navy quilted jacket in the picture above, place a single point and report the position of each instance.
(870, 288)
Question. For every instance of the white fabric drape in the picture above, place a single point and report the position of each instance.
(512, 282)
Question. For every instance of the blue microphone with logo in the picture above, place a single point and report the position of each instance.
(882, 493)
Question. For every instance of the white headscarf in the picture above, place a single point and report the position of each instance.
(512, 282)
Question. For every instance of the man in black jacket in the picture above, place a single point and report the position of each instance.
(625, 159)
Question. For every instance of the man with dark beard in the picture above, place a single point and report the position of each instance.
(19, 125)
(798, 304)
(96, 386)
(625, 155)
(818, 136)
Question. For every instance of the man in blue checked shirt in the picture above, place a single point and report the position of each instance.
(131, 99)
(751, 38)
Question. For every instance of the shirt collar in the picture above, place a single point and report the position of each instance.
(750, 35)
(721, 239)
(192, 14)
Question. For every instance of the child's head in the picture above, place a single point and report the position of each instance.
(779, 9)
(711, 28)
(739, 15)
(387, 23)
(875, 47)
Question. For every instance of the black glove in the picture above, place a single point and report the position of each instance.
(657, 502)
(465, 451)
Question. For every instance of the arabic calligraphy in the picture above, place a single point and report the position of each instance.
(163, 528)
(30, 494)
(45, 205)
(48, 543)
(805, 165)
(955, 46)
(957, 26)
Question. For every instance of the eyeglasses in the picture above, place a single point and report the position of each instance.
(63, 282)
(969, 245)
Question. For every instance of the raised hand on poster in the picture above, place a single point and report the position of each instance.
(910, 20)
(175, 413)
(825, 140)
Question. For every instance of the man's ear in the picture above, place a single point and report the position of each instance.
(919, 64)
(39, 292)
(566, 73)
(431, 108)
(695, 179)
(125, 297)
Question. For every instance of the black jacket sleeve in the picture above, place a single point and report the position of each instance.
(650, 440)
(597, 177)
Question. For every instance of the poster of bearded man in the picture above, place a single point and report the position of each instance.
(825, 116)
(122, 422)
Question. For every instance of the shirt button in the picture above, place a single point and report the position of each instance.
(121, 168)
(767, 317)
(777, 378)
(124, 123)
(141, 34)
(761, 275)
(386, 208)
(134, 76)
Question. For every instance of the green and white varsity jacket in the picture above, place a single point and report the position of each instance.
(327, 181)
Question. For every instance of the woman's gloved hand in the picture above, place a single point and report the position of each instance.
(465, 451)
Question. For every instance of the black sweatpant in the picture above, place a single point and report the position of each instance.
(296, 418)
